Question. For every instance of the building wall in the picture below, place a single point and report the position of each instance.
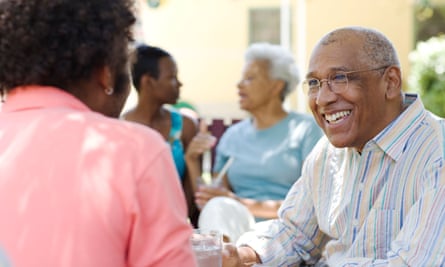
(208, 38)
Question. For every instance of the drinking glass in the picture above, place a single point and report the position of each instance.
(207, 245)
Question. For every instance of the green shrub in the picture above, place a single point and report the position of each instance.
(427, 75)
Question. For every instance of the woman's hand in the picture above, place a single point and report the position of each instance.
(206, 192)
(201, 142)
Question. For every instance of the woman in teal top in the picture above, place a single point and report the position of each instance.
(266, 162)
(155, 79)
(267, 150)
(174, 139)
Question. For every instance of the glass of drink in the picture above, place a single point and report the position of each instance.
(207, 245)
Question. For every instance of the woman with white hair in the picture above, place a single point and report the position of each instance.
(266, 150)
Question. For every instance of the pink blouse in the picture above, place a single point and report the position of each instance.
(80, 189)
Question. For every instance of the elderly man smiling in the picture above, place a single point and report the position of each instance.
(371, 193)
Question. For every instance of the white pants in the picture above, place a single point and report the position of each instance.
(228, 216)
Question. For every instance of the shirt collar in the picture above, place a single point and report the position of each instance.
(392, 140)
(35, 97)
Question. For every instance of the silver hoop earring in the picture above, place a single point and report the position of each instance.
(109, 91)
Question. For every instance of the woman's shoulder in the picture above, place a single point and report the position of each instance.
(237, 131)
(189, 129)
(239, 126)
(138, 130)
(301, 116)
(133, 116)
(132, 133)
(189, 122)
(183, 121)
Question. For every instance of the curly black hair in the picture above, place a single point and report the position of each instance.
(61, 42)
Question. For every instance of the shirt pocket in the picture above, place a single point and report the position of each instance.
(380, 227)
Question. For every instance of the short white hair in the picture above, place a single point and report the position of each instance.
(281, 61)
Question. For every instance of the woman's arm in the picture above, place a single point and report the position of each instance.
(267, 209)
(199, 143)
(264, 209)
(193, 167)
(189, 130)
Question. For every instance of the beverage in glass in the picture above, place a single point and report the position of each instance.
(207, 245)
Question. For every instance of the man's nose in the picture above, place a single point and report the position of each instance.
(325, 94)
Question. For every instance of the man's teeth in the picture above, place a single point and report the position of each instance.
(337, 116)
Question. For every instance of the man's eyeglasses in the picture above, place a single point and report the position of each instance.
(337, 82)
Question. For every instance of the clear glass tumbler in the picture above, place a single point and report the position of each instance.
(207, 245)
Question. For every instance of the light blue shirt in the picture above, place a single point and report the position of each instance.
(266, 162)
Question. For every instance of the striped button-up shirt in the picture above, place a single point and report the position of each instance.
(383, 207)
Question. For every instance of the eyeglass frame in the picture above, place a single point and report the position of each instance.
(329, 80)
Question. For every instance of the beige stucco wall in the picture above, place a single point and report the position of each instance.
(208, 38)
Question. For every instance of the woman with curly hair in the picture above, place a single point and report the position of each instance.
(78, 188)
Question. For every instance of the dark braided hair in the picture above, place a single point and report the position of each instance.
(61, 42)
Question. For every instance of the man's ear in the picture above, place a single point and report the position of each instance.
(393, 79)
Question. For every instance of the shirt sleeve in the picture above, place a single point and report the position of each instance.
(160, 233)
(291, 239)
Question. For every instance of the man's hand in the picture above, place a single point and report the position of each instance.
(230, 256)
(238, 257)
